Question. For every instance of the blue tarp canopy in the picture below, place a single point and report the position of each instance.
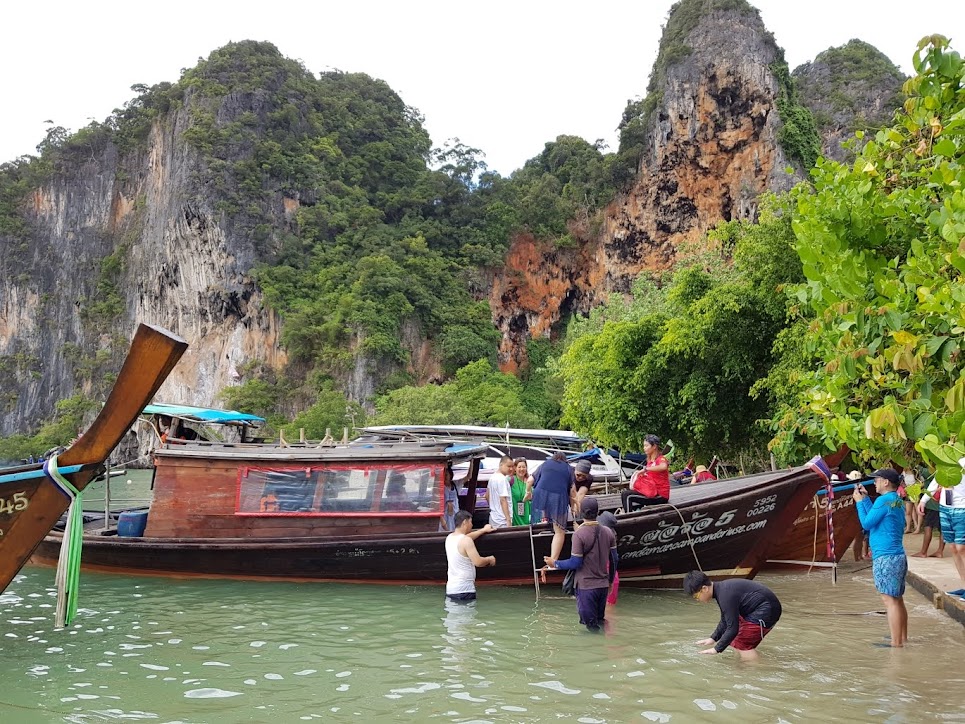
(202, 414)
(593, 455)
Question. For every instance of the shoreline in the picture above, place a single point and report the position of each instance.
(933, 577)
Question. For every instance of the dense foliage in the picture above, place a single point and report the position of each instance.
(66, 424)
(479, 394)
(681, 359)
(880, 242)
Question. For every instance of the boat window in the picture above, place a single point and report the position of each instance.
(370, 490)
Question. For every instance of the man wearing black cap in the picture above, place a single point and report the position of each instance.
(581, 472)
(594, 558)
(885, 522)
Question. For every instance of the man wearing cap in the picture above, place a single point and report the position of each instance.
(885, 522)
(594, 558)
(582, 474)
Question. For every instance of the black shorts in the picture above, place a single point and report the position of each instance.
(461, 597)
(932, 519)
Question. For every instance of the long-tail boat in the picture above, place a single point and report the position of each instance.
(370, 512)
(807, 543)
(30, 501)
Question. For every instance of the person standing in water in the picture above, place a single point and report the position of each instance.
(594, 559)
(464, 559)
(885, 522)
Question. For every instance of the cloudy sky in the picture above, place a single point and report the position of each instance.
(502, 76)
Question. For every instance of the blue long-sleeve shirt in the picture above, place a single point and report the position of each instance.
(885, 522)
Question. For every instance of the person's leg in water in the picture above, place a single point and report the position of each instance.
(749, 654)
(590, 605)
(895, 610)
(904, 620)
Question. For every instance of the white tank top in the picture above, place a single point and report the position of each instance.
(462, 573)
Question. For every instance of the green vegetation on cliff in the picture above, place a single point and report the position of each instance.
(850, 88)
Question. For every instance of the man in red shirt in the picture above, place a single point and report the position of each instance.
(650, 486)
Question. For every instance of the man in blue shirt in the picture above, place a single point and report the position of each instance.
(885, 523)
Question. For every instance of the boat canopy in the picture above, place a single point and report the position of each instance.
(203, 414)
(469, 431)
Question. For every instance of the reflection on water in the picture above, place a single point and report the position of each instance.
(219, 651)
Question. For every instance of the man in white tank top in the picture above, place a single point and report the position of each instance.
(464, 559)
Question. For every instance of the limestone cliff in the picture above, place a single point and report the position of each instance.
(710, 147)
(853, 87)
(175, 264)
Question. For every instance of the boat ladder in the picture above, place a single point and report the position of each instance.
(538, 566)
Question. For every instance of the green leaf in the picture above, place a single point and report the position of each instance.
(946, 148)
(948, 476)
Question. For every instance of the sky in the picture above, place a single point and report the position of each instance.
(502, 76)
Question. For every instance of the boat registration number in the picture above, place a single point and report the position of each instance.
(14, 503)
(763, 505)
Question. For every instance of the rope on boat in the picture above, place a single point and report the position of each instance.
(814, 543)
(830, 518)
(686, 528)
(68, 563)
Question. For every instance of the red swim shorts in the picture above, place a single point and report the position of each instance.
(749, 635)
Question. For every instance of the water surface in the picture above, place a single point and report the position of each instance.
(166, 650)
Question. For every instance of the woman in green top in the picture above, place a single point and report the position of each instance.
(520, 509)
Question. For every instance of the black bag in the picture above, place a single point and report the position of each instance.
(569, 580)
(569, 583)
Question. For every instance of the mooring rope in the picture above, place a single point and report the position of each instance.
(690, 540)
(68, 563)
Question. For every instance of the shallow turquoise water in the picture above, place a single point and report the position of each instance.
(226, 651)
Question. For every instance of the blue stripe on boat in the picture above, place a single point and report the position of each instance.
(39, 473)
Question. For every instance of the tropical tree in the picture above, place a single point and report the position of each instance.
(881, 247)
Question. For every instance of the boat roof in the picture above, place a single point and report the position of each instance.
(202, 414)
(466, 431)
(379, 452)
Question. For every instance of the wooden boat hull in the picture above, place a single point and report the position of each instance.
(806, 543)
(30, 504)
(726, 529)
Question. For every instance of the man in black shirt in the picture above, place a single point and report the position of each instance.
(748, 612)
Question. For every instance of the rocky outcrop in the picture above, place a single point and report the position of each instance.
(711, 149)
(850, 88)
(712, 146)
(174, 263)
(541, 284)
